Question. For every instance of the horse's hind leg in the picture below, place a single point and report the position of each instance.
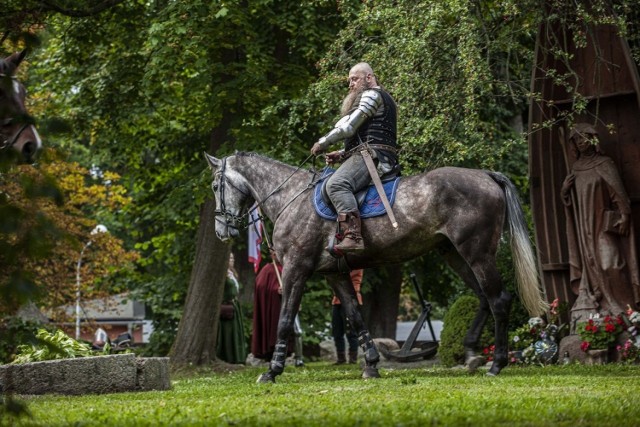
(343, 288)
(487, 284)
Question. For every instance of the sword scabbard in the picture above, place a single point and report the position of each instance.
(368, 160)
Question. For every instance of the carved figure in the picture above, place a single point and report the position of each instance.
(602, 253)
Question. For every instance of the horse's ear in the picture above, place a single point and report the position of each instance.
(213, 162)
(17, 58)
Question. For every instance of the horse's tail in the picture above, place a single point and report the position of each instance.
(531, 293)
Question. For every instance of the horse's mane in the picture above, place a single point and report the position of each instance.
(261, 156)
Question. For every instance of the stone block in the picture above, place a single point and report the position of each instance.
(87, 375)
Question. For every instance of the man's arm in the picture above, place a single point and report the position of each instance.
(347, 126)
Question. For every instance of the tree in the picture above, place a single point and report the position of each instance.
(200, 71)
(144, 87)
(58, 203)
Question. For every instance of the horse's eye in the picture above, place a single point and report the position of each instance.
(215, 187)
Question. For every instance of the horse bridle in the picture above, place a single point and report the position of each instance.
(230, 218)
(241, 221)
(10, 141)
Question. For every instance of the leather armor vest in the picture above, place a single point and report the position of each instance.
(380, 129)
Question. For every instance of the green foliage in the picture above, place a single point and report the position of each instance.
(52, 345)
(457, 322)
(145, 87)
(168, 81)
(14, 331)
(315, 396)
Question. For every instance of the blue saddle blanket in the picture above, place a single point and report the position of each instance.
(370, 207)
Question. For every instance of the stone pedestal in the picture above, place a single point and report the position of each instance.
(87, 375)
(597, 357)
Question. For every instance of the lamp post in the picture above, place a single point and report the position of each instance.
(98, 229)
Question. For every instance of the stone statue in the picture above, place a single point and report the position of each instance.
(602, 254)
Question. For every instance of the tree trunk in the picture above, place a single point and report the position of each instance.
(380, 309)
(195, 341)
(197, 335)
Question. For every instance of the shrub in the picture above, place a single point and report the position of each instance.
(13, 332)
(456, 324)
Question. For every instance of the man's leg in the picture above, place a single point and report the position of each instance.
(351, 177)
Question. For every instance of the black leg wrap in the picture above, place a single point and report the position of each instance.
(371, 356)
(278, 359)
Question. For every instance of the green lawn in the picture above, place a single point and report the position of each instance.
(324, 395)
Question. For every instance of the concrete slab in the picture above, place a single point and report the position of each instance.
(87, 375)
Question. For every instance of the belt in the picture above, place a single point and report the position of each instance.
(382, 147)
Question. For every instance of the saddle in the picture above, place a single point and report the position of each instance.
(369, 202)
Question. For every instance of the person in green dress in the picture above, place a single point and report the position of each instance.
(231, 345)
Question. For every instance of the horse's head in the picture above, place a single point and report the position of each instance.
(232, 198)
(17, 131)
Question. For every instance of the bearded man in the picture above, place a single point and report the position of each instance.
(369, 117)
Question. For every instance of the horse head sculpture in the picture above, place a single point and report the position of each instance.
(17, 130)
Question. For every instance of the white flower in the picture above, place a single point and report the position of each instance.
(536, 322)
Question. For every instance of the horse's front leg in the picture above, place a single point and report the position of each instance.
(293, 287)
(344, 290)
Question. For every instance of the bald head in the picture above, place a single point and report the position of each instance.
(361, 77)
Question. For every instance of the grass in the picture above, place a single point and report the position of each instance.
(325, 395)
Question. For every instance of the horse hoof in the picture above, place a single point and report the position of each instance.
(370, 372)
(494, 370)
(266, 378)
(474, 363)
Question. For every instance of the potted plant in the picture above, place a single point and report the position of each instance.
(598, 335)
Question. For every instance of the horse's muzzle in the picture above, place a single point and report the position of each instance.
(29, 151)
(230, 233)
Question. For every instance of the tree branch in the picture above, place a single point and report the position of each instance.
(76, 13)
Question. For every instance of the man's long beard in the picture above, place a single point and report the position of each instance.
(352, 99)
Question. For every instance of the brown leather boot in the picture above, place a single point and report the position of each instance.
(350, 225)
(353, 357)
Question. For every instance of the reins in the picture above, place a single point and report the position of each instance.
(242, 221)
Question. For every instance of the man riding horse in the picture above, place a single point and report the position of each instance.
(368, 123)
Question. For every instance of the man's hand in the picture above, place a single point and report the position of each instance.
(333, 157)
(316, 149)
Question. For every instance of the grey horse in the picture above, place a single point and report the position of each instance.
(460, 212)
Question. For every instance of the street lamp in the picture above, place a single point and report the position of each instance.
(98, 229)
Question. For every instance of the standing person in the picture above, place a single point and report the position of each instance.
(231, 346)
(266, 310)
(340, 324)
(602, 253)
(369, 117)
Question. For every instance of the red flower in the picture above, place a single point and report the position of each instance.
(610, 327)
(584, 346)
